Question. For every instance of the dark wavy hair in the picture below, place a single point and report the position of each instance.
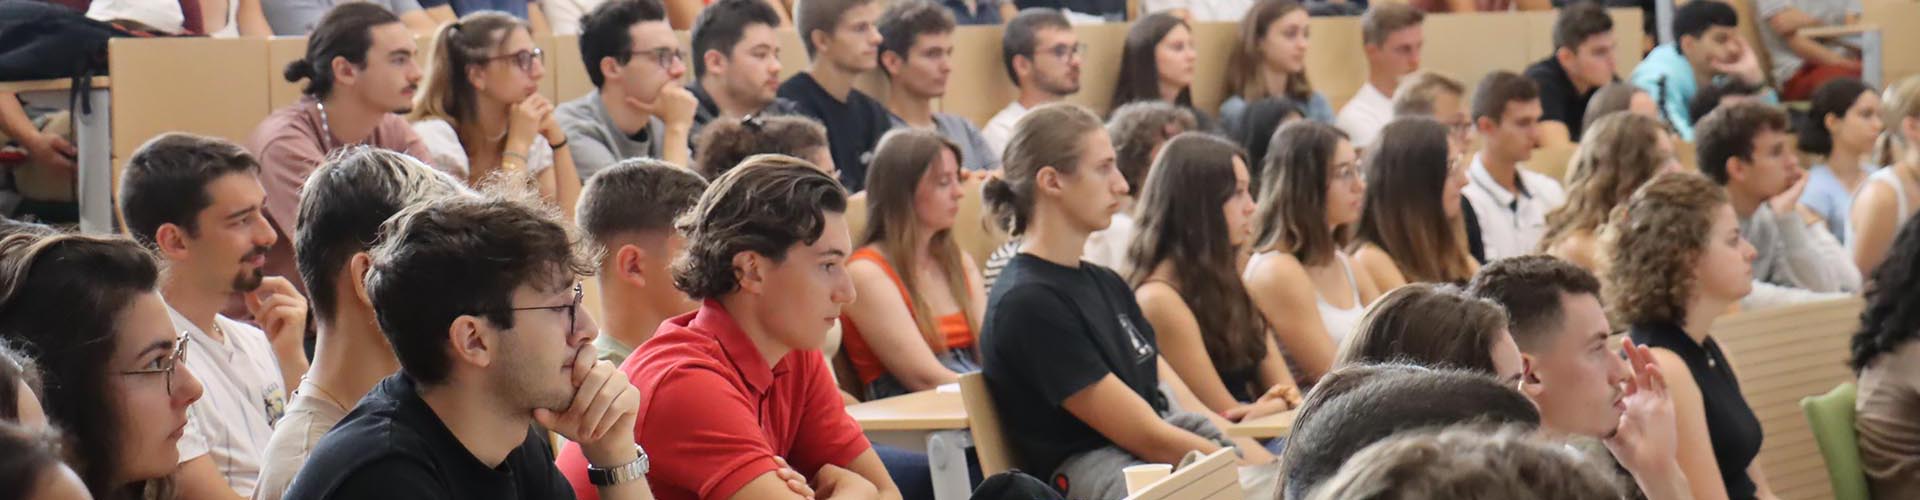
(1890, 319)
(1139, 73)
(345, 31)
(766, 205)
(1179, 224)
(1832, 98)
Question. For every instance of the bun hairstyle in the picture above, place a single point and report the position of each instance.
(1049, 136)
(346, 31)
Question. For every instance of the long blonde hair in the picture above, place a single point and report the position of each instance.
(448, 94)
(1900, 102)
(902, 159)
(1618, 153)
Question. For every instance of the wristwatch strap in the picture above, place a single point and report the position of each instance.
(630, 472)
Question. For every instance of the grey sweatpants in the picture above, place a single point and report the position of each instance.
(1095, 474)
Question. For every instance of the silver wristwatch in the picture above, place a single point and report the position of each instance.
(630, 472)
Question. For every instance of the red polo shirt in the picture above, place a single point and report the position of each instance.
(713, 415)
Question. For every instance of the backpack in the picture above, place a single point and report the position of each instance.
(41, 41)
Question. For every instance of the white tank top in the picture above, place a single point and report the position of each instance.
(1338, 322)
(1891, 177)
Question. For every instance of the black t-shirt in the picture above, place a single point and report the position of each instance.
(854, 127)
(392, 445)
(1050, 332)
(1558, 100)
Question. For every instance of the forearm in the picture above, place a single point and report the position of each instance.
(1167, 444)
(567, 181)
(1818, 264)
(676, 150)
(616, 452)
(1813, 51)
(13, 118)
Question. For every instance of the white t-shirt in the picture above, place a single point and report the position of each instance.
(443, 143)
(999, 130)
(1364, 115)
(1205, 10)
(1511, 224)
(243, 398)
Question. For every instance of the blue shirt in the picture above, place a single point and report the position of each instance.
(1831, 199)
(984, 12)
(1667, 76)
(1233, 111)
(461, 8)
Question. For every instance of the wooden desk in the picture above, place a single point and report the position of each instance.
(92, 136)
(1270, 426)
(920, 411)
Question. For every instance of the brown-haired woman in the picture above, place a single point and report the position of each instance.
(1617, 154)
(724, 143)
(1303, 282)
(923, 302)
(1678, 262)
(1157, 63)
(1413, 230)
(1269, 61)
(480, 110)
(1436, 326)
(1195, 222)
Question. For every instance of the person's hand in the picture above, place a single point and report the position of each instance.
(281, 312)
(1278, 399)
(1644, 442)
(50, 151)
(1787, 202)
(795, 481)
(533, 115)
(674, 105)
(835, 482)
(1746, 67)
(601, 415)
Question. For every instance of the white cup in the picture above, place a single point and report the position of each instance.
(1139, 476)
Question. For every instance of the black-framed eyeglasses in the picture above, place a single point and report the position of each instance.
(572, 308)
(523, 59)
(169, 364)
(1063, 51)
(664, 56)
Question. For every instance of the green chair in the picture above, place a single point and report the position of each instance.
(1830, 417)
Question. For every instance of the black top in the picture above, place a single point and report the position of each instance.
(1558, 100)
(854, 127)
(708, 109)
(1050, 332)
(392, 445)
(1731, 425)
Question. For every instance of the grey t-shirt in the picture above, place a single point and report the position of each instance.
(298, 17)
(596, 142)
(975, 153)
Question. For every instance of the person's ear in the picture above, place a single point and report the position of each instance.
(714, 60)
(357, 268)
(1485, 124)
(1022, 66)
(1566, 56)
(471, 340)
(628, 265)
(171, 240)
(1530, 383)
(1737, 169)
(609, 68)
(891, 61)
(1832, 122)
(820, 38)
(1049, 180)
(343, 71)
(477, 76)
(747, 271)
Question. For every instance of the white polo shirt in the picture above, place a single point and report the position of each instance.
(244, 395)
(1364, 115)
(1511, 224)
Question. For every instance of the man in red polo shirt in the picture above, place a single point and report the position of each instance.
(732, 389)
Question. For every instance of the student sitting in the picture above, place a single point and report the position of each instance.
(1801, 63)
(1071, 361)
(1884, 358)
(1469, 462)
(1138, 131)
(735, 387)
(1581, 385)
(304, 17)
(360, 71)
(20, 388)
(1706, 46)
(1269, 61)
(480, 299)
(1305, 285)
(527, 12)
(637, 108)
(1436, 326)
(340, 214)
(1391, 38)
(1081, 11)
(1619, 154)
(842, 39)
(1359, 405)
(197, 202)
(1042, 57)
(1679, 262)
(1195, 221)
(1721, 93)
(481, 111)
(918, 42)
(89, 311)
(1511, 201)
(1617, 97)
(736, 63)
(1744, 148)
(1415, 227)
(926, 337)
(1433, 95)
(627, 212)
(1156, 64)
(1263, 119)
(1882, 204)
(1843, 121)
(726, 144)
(1582, 63)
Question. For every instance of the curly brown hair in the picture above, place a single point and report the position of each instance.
(1654, 242)
(723, 144)
(766, 205)
(1617, 154)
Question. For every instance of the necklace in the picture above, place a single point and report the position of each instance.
(326, 130)
(324, 393)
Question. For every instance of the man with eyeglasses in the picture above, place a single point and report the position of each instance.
(638, 108)
(914, 56)
(360, 73)
(736, 63)
(1042, 56)
(197, 202)
(480, 298)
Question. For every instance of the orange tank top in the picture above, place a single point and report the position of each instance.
(867, 365)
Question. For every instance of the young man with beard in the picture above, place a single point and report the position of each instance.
(1042, 57)
(1576, 377)
(198, 204)
(360, 72)
(736, 63)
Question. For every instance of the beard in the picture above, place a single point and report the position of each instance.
(527, 383)
(249, 279)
